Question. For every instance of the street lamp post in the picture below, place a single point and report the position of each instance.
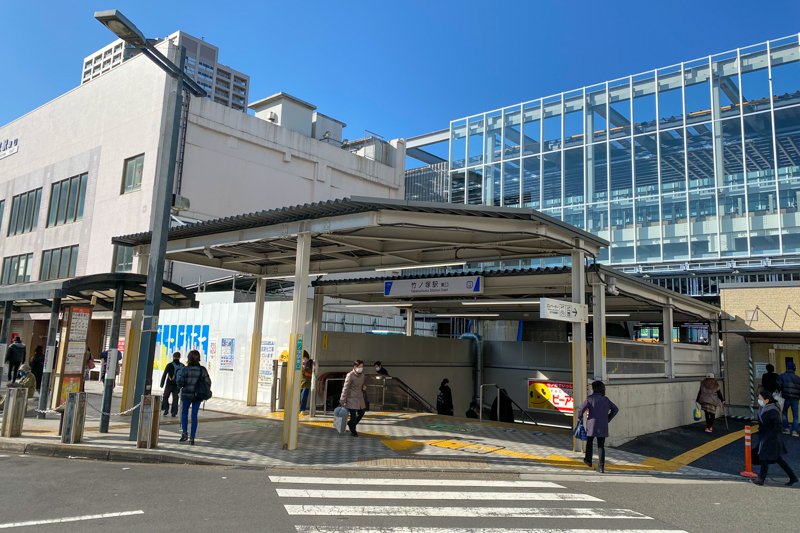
(162, 198)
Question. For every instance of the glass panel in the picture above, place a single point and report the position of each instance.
(574, 216)
(619, 120)
(82, 201)
(23, 214)
(73, 261)
(54, 193)
(621, 169)
(531, 182)
(531, 128)
(511, 183)
(458, 144)
(597, 222)
(644, 103)
(732, 159)
(12, 225)
(673, 176)
(725, 85)
(573, 176)
(13, 269)
(703, 227)
(551, 180)
(787, 136)
(63, 271)
(785, 57)
(755, 79)
(732, 221)
(74, 185)
(552, 124)
(55, 262)
(62, 204)
(475, 186)
(622, 228)
(670, 100)
(697, 91)
(648, 229)
(675, 224)
(475, 141)
(45, 273)
(596, 113)
(28, 267)
(646, 165)
(700, 156)
(513, 132)
(597, 172)
(573, 119)
(457, 187)
(491, 184)
(494, 139)
(36, 203)
(790, 213)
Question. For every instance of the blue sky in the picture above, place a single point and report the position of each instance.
(396, 68)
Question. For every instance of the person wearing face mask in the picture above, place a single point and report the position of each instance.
(771, 447)
(26, 379)
(352, 397)
(379, 369)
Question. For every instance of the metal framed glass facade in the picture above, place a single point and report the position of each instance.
(697, 161)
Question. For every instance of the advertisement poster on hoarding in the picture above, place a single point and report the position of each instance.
(79, 323)
(68, 384)
(73, 363)
(265, 364)
(227, 352)
(551, 395)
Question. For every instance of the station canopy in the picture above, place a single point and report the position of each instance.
(360, 234)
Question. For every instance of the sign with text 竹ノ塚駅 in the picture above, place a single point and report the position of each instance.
(563, 311)
(456, 286)
(8, 147)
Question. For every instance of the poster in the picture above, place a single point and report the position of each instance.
(79, 324)
(551, 395)
(68, 384)
(213, 350)
(227, 352)
(265, 365)
(73, 363)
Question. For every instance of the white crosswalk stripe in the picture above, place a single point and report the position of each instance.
(503, 502)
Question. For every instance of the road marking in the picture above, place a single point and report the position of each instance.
(70, 519)
(463, 512)
(704, 449)
(324, 529)
(724, 479)
(435, 495)
(300, 480)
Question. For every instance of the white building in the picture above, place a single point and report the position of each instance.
(82, 170)
(224, 84)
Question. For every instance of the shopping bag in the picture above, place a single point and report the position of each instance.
(580, 431)
(697, 413)
(340, 419)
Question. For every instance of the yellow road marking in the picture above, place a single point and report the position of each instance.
(711, 446)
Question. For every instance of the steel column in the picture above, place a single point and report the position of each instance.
(49, 356)
(255, 344)
(599, 331)
(410, 316)
(578, 337)
(111, 355)
(666, 334)
(5, 331)
(316, 340)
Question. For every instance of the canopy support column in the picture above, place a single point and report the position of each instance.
(410, 316)
(666, 338)
(111, 358)
(316, 339)
(5, 331)
(255, 345)
(49, 357)
(599, 331)
(578, 336)
(292, 406)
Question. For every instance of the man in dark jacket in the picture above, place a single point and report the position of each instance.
(790, 390)
(171, 389)
(15, 355)
(771, 380)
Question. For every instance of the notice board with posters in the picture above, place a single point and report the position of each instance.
(72, 356)
(550, 395)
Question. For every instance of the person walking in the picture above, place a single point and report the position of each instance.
(444, 400)
(307, 372)
(771, 447)
(790, 390)
(168, 383)
(601, 411)
(771, 380)
(195, 384)
(15, 356)
(710, 399)
(37, 365)
(352, 397)
(380, 369)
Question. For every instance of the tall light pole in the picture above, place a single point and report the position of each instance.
(162, 198)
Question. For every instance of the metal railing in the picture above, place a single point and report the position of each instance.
(496, 386)
(383, 393)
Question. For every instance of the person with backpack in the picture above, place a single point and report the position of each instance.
(790, 389)
(195, 384)
(444, 400)
(169, 385)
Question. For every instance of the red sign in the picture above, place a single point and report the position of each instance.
(552, 395)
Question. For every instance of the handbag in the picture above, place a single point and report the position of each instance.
(202, 391)
(697, 413)
(580, 431)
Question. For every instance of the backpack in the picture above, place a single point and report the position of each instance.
(202, 391)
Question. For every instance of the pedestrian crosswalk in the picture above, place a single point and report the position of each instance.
(427, 505)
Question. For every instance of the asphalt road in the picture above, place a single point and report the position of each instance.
(140, 497)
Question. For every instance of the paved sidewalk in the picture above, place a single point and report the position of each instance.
(231, 433)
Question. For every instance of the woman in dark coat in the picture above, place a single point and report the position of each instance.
(37, 365)
(710, 399)
(771, 447)
(601, 412)
(444, 400)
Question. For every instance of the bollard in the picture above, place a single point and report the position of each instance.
(149, 420)
(14, 415)
(748, 451)
(74, 418)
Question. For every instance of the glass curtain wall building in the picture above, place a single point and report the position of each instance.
(695, 162)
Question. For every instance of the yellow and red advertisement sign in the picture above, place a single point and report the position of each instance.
(552, 395)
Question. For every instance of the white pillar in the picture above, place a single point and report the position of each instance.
(410, 316)
(578, 338)
(316, 340)
(713, 326)
(296, 341)
(666, 328)
(255, 345)
(599, 331)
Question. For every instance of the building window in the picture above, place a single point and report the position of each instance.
(66, 200)
(2, 208)
(25, 212)
(132, 174)
(123, 258)
(59, 263)
(16, 269)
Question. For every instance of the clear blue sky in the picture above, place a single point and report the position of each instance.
(397, 68)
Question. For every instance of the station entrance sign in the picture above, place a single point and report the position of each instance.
(563, 311)
(455, 286)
